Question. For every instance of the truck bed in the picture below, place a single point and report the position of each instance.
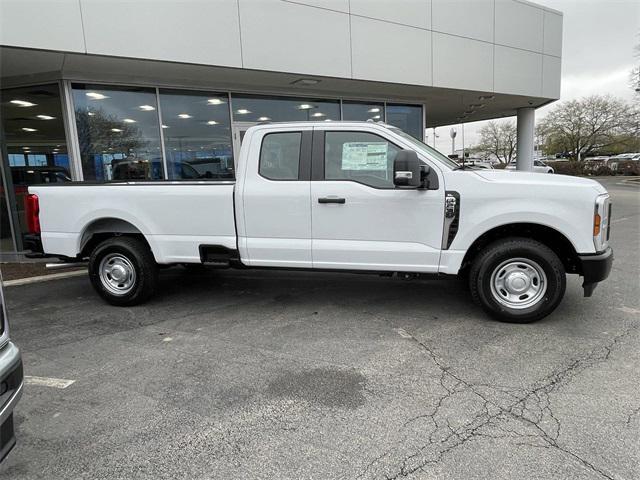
(175, 217)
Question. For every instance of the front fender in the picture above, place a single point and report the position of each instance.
(574, 223)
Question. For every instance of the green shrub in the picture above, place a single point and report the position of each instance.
(568, 167)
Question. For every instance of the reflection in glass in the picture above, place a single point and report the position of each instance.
(34, 134)
(250, 108)
(407, 118)
(6, 242)
(118, 132)
(197, 135)
(360, 111)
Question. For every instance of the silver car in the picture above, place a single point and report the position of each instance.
(538, 166)
(11, 381)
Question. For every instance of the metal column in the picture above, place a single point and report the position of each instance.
(526, 126)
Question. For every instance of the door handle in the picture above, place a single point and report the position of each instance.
(331, 200)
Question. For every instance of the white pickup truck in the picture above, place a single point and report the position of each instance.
(338, 196)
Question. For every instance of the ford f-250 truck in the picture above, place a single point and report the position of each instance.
(339, 196)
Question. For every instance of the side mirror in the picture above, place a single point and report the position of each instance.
(408, 171)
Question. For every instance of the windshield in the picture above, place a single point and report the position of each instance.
(425, 149)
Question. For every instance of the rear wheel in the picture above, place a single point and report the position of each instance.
(123, 271)
(517, 280)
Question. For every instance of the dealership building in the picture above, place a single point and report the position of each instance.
(103, 90)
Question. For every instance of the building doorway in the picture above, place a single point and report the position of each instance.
(239, 130)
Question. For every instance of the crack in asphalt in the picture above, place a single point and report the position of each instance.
(633, 413)
(524, 415)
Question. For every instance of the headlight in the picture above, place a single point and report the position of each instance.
(601, 222)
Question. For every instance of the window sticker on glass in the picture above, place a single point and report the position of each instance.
(364, 156)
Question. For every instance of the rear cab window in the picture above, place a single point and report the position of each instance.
(280, 156)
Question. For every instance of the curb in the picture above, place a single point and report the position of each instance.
(43, 278)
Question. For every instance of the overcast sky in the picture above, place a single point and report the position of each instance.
(597, 55)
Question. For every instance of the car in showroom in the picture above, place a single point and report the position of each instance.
(11, 381)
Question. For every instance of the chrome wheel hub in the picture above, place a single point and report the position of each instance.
(117, 274)
(518, 283)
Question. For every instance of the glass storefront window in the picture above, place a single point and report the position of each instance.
(361, 111)
(6, 240)
(407, 118)
(250, 108)
(118, 132)
(34, 136)
(197, 135)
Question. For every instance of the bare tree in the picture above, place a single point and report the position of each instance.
(591, 123)
(634, 77)
(499, 139)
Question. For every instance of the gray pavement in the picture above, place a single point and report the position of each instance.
(243, 375)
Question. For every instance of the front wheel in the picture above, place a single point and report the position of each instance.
(123, 271)
(517, 280)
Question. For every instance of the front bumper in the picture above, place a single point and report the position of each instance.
(595, 268)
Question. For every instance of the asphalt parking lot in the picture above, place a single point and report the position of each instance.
(246, 375)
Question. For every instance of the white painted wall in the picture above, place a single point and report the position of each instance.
(503, 46)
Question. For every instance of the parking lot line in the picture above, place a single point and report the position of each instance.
(48, 382)
(44, 278)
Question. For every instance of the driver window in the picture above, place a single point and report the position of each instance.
(360, 157)
(280, 156)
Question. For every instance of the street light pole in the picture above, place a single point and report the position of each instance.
(453, 134)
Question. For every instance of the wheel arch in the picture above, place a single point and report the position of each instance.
(100, 229)
(544, 234)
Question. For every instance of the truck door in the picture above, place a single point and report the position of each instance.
(360, 221)
(273, 198)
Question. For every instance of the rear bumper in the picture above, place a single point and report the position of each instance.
(595, 268)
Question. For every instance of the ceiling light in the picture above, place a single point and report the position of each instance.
(116, 130)
(264, 119)
(27, 129)
(26, 148)
(306, 82)
(215, 101)
(212, 122)
(242, 111)
(128, 120)
(91, 114)
(318, 114)
(184, 115)
(96, 95)
(165, 126)
(45, 117)
(23, 103)
(328, 120)
(147, 108)
(305, 106)
(373, 110)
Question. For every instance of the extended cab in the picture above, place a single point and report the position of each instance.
(340, 196)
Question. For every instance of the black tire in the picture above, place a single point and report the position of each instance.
(139, 256)
(500, 253)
